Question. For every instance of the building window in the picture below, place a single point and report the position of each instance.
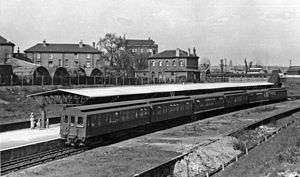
(38, 56)
(76, 56)
(66, 63)
(50, 62)
(76, 63)
(181, 63)
(153, 63)
(174, 63)
(88, 56)
(51, 56)
(167, 63)
(160, 63)
(60, 62)
(88, 64)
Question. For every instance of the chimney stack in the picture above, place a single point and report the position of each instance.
(44, 43)
(177, 52)
(80, 44)
(189, 50)
(194, 51)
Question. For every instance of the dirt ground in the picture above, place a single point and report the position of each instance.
(138, 154)
(278, 157)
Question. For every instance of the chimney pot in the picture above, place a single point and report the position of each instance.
(194, 51)
(80, 44)
(189, 52)
(177, 52)
(44, 43)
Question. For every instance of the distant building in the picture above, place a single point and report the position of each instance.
(6, 49)
(293, 70)
(141, 46)
(174, 64)
(74, 57)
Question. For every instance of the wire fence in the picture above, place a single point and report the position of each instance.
(98, 80)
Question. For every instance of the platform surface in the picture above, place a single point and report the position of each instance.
(22, 137)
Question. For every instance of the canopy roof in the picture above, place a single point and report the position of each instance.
(147, 89)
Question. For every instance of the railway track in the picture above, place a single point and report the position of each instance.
(28, 161)
(36, 159)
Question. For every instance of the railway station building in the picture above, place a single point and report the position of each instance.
(171, 65)
(77, 59)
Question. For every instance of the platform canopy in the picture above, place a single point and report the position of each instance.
(83, 95)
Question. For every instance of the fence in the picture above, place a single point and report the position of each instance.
(97, 80)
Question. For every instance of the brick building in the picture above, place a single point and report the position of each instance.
(141, 46)
(74, 57)
(174, 65)
(6, 49)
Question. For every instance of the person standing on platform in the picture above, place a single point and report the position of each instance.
(47, 123)
(38, 124)
(32, 122)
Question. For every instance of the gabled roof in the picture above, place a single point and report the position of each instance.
(172, 54)
(62, 48)
(4, 41)
(137, 42)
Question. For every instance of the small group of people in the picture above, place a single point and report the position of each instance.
(37, 123)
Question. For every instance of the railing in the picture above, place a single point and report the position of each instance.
(99, 80)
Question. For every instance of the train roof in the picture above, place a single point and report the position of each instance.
(126, 103)
(148, 89)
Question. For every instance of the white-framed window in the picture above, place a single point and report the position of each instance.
(174, 63)
(51, 56)
(38, 56)
(153, 63)
(88, 56)
(181, 63)
(88, 64)
(76, 56)
(160, 63)
(66, 63)
(167, 63)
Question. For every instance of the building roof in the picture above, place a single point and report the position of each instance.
(139, 42)
(4, 41)
(62, 48)
(148, 89)
(172, 54)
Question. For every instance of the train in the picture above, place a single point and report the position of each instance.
(80, 124)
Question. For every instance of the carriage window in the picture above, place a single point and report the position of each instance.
(80, 121)
(72, 119)
(66, 119)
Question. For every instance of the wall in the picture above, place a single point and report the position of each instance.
(66, 60)
(5, 50)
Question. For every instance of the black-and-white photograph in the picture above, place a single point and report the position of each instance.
(152, 88)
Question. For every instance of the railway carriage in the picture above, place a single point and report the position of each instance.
(235, 98)
(208, 102)
(255, 96)
(277, 94)
(171, 109)
(78, 124)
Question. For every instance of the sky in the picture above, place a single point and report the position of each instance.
(263, 31)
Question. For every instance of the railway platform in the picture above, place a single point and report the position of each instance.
(24, 137)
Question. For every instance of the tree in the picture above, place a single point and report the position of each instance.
(110, 45)
(140, 61)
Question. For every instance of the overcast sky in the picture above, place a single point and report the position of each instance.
(259, 30)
